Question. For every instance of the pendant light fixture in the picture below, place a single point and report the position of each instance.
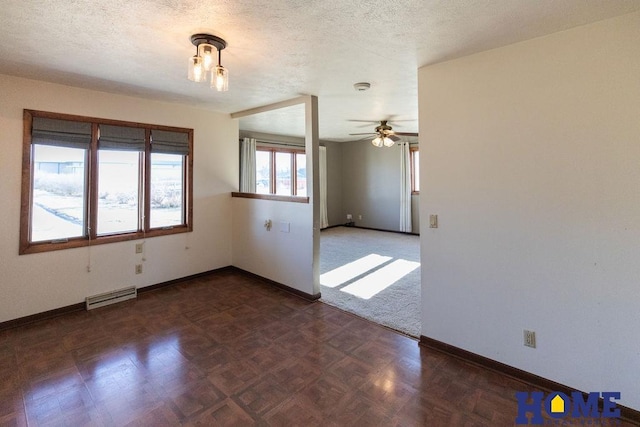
(220, 77)
(202, 66)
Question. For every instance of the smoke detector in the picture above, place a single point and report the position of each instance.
(362, 86)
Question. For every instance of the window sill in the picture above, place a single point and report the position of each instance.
(274, 197)
(39, 247)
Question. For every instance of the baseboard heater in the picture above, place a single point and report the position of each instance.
(111, 297)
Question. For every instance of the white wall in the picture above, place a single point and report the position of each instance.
(39, 282)
(371, 186)
(289, 252)
(533, 167)
(334, 183)
(283, 257)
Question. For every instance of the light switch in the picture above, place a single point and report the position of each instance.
(433, 221)
(285, 227)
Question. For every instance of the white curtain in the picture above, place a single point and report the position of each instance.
(248, 165)
(324, 216)
(405, 188)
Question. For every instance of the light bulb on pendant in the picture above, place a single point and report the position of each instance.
(208, 54)
(220, 78)
(388, 142)
(377, 142)
(196, 69)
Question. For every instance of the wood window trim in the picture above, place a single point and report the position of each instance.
(272, 178)
(91, 238)
(274, 197)
(92, 176)
(272, 173)
(147, 184)
(412, 150)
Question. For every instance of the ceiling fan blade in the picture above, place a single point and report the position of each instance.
(365, 123)
(363, 139)
(366, 133)
(393, 138)
(392, 119)
(406, 133)
(396, 123)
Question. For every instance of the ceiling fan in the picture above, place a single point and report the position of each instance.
(384, 134)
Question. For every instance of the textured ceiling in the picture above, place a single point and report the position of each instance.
(276, 49)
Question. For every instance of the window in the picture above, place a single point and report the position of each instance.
(284, 178)
(263, 172)
(281, 172)
(415, 170)
(94, 181)
(167, 190)
(168, 175)
(58, 192)
(301, 174)
(118, 199)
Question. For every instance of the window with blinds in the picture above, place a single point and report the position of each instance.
(88, 181)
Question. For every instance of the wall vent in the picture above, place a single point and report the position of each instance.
(111, 297)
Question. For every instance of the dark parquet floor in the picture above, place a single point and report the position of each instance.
(227, 349)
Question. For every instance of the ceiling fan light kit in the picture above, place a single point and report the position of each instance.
(203, 67)
(384, 134)
(381, 140)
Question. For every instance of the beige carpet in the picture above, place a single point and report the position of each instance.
(373, 274)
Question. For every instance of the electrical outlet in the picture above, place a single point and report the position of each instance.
(360, 217)
(433, 221)
(138, 268)
(349, 217)
(139, 248)
(529, 339)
